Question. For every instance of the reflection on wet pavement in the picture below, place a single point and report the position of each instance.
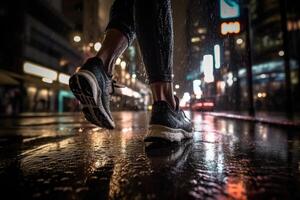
(67, 158)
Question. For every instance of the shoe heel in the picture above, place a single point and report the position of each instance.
(158, 132)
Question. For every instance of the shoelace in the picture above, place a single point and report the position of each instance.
(114, 85)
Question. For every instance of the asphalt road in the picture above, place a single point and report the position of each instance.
(68, 158)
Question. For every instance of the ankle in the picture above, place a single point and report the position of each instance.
(171, 103)
(163, 91)
(107, 63)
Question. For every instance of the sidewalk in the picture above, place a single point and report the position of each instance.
(39, 114)
(278, 119)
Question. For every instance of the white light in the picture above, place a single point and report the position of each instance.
(174, 93)
(97, 46)
(40, 71)
(47, 80)
(198, 96)
(129, 92)
(196, 87)
(133, 76)
(136, 94)
(77, 38)
(195, 39)
(208, 65)
(281, 53)
(217, 53)
(177, 86)
(63, 78)
(118, 61)
(230, 79)
(259, 95)
(263, 76)
(186, 98)
(123, 65)
(239, 41)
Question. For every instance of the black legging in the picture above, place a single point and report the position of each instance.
(151, 22)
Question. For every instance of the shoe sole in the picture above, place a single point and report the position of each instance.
(85, 88)
(159, 133)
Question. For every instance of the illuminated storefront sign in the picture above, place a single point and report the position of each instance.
(47, 75)
(229, 9)
(230, 28)
(64, 78)
(40, 71)
(208, 66)
(217, 56)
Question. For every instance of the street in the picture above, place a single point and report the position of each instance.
(65, 157)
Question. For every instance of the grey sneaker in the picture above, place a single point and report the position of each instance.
(92, 87)
(168, 124)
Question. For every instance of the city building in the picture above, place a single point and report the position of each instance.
(232, 35)
(36, 58)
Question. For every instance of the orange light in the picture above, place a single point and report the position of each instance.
(230, 28)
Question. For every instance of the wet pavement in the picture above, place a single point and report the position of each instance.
(67, 158)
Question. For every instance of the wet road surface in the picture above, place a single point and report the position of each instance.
(68, 158)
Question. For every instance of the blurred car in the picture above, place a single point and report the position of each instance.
(203, 105)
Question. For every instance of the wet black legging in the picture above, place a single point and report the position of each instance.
(151, 22)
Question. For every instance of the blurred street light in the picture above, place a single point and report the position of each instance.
(281, 53)
(195, 39)
(229, 79)
(118, 61)
(123, 65)
(217, 56)
(77, 38)
(208, 65)
(196, 88)
(239, 41)
(177, 86)
(97, 46)
(185, 99)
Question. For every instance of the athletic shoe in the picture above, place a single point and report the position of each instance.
(92, 87)
(168, 124)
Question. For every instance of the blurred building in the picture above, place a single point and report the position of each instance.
(36, 57)
(268, 55)
(230, 35)
(44, 42)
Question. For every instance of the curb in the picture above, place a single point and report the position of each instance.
(275, 122)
